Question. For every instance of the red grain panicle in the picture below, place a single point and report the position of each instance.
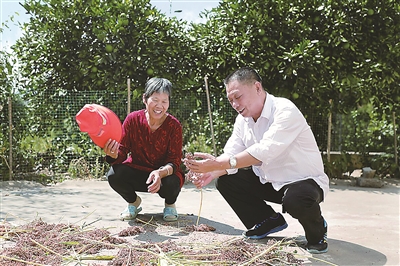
(131, 231)
(199, 228)
(6, 230)
(191, 176)
(47, 244)
(227, 253)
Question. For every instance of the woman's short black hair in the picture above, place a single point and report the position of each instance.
(157, 85)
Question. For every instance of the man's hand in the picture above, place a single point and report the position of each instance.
(209, 163)
(204, 179)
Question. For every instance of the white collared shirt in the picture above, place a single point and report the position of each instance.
(283, 141)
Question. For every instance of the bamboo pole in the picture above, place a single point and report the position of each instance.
(396, 159)
(129, 96)
(329, 141)
(210, 115)
(10, 138)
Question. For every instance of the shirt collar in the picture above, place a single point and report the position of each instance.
(266, 111)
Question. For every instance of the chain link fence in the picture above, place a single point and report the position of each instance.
(42, 139)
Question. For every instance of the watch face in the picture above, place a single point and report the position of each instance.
(232, 162)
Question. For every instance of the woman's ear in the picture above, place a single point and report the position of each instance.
(144, 99)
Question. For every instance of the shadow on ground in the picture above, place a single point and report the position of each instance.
(346, 253)
(340, 253)
(157, 230)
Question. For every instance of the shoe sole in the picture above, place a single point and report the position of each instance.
(171, 219)
(274, 230)
(315, 251)
(132, 217)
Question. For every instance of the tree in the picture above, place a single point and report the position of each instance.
(87, 45)
(313, 52)
(309, 51)
(71, 47)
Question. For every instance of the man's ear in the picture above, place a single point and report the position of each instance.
(259, 86)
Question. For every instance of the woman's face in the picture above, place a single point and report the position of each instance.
(157, 105)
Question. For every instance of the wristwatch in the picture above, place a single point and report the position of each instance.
(232, 162)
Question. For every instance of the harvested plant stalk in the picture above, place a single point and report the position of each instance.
(38, 243)
(190, 176)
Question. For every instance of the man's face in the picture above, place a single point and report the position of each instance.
(245, 97)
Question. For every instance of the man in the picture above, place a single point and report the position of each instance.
(272, 136)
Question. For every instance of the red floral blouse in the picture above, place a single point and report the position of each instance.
(145, 150)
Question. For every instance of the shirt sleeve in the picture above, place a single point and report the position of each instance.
(175, 146)
(288, 123)
(124, 143)
(235, 145)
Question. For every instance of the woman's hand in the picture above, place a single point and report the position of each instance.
(111, 148)
(155, 181)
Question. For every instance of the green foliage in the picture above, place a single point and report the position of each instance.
(36, 144)
(385, 166)
(199, 142)
(308, 51)
(369, 128)
(98, 44)
(203, 140)
(338, 166)
(6, 70)
(81, 168)
(367, 132)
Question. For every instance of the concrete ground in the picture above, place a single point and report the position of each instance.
(363, 223)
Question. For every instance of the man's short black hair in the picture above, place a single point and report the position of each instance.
(243, 74)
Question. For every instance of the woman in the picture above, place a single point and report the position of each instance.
(149, 155)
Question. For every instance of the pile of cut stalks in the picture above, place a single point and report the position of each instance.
(40, 243)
